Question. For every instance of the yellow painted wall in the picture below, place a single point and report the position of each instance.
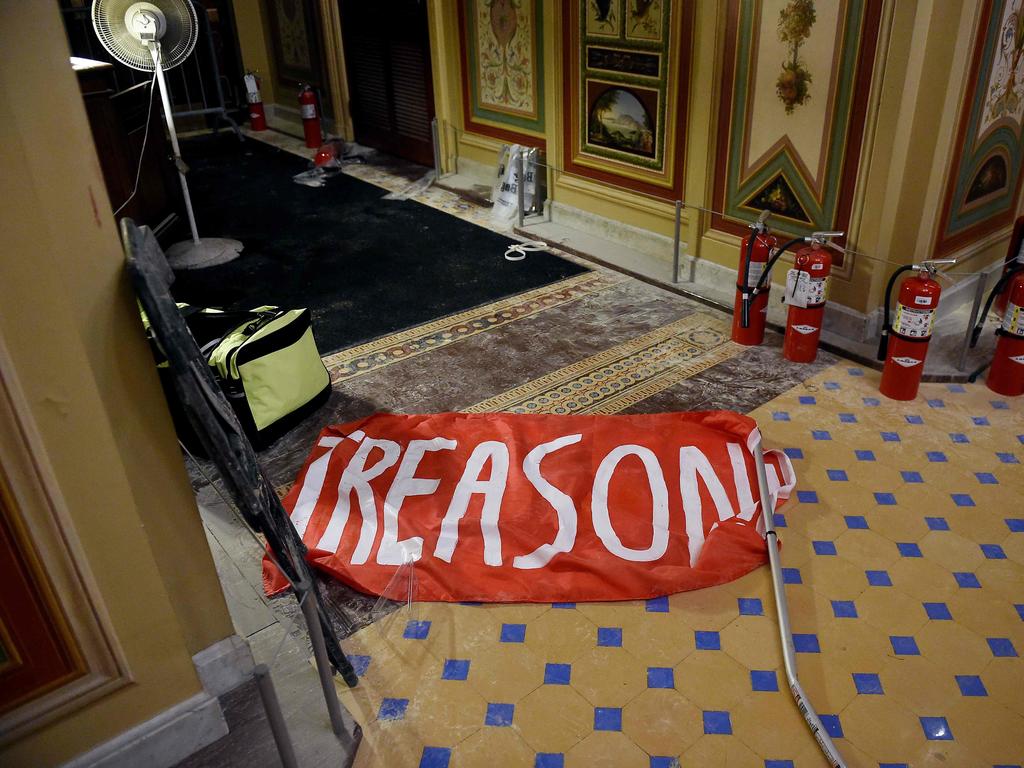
(918, 80)
(68, 318)
(255, 45)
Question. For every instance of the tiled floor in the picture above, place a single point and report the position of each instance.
(904, 561)
(903, 550)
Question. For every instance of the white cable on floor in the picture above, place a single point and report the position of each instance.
(518, 251)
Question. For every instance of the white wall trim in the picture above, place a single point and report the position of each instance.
(224, 666)
(162, 741)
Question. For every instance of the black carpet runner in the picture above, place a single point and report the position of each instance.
(364, 266)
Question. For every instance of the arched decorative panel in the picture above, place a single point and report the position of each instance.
(795, 85)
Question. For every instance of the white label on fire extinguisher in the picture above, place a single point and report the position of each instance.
(756, 270)
(924, 301)
(913, 323)
(1013, 319)
(907, 362)
(804, 329)
(308, 111)
(1018, 359)
(802, 290)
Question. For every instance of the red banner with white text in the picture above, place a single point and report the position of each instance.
(535, 508)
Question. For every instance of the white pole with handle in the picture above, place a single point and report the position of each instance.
(828, 747)
(179, 164)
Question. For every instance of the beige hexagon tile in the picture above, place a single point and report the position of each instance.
(609, 677)
(919, 684)
(922, 579)
(979, 525)
(446, 711)
(880, 726)
(834, 577)
(987, 728)
(384, 748)
(659, 639)
(951, 551)
(753, 641)
(554, 718)
(770, 721)
(1002, 570)
(506, 672)
(812, 521)
(662, 722)
(807, 609)
(721, 750)
(457, 631)
(705, 609)
(514, 613)
(986, 615)
(829, 686)
(610, 614)
(951, 646)
(897, 524)
(867, 549)
(561, 635)
(890, 610)
(854, 645)
(1002, 679)
(606, 749)
(481, 750)
(712, 681)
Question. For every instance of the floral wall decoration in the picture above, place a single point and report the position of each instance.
(984, 182)
(792, 111)
(502, 78)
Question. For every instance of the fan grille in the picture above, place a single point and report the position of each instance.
(176, 43)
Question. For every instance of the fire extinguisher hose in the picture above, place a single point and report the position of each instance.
(773, 259)
(883, 340)
(996, 290)
(745, 304)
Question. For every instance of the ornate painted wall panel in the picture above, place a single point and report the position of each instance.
(791, 117)
(627, 73)
(503, 68)
(983, 187)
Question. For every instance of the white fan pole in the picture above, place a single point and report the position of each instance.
(154, 49)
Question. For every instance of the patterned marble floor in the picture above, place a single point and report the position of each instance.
(903, 548)
(904, 562)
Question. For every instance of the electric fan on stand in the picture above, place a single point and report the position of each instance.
(154, 37)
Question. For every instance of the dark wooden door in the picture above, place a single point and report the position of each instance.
(387, 56)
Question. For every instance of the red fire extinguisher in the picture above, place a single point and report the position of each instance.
(1006, 375)
(905, 352)
(1014, 260)
(257, 117)
(750, 312)
(806, 291)
(310, 118)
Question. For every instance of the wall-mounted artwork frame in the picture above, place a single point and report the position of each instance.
(503, 69)
(983, 184)
(295, 30)
(627, 70)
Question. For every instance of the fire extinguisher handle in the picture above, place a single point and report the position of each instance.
(775, 257)
(745, 304)
(883, 344)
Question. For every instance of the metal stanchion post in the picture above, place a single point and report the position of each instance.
(828, 748)
(675, 242)
(979, 294)
(520, 188)
(308, 601)
(436, 146)
(275, 717)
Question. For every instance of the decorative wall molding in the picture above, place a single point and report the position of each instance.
(44, 533)
(792, 112)
(162, 741)
(983, 185)
(503, 69)
(626, 72)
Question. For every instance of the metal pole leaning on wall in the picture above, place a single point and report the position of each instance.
(436, 146)
(782, 608)
(675, 242)
(272, 707)
(520, 188)
(308, 602)
(979, 296)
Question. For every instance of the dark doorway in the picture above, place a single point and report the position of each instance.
(387, 55)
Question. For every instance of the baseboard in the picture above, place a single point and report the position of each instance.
(224, 666)
(162, 741)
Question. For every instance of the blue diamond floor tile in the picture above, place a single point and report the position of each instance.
(750, 606)
(392, 709)
(609, 637)
(557, 674)
(824, 547)
(909, 476)
(909, 549)
(549, 760)
(661, 677)
(657, 605)
(1001, 646)
(607, 719)
(937, 611)
(879, 578)
(455, 669)
(416, 630)
(971, 685)
(792, 576)
(967, 580)
(833, 727)
(844, 609)
(435, 757)
(868, 683)
(903, 645)
(936, 729)
(806, 643)
(717, 723)
(707, 641)
(764, 680)
(513, 633)
(499, 715)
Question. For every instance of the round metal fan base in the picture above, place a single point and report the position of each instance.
(209, 252)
